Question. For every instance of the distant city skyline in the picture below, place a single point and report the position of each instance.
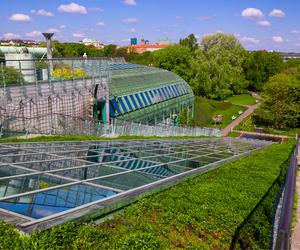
(270, 25)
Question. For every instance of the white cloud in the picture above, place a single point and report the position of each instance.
(295, 31)
(277, 13)
(125, 40)
(72, 8)
(53, 30)
(264, 23)
(63, 26)
(277, 39)
(249, 40)
(297, 44)
(130, 20)
(132, 30)
(129, 2)
(43, 12)
(20, 17)
(10, 36)
(34, 33)
(252, 13)
(79, 34)
(100, 24)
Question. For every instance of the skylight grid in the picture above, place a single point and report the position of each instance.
(45, 180)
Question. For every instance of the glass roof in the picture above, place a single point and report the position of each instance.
(44, 180)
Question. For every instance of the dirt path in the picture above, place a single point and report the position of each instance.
(296, 234)
(238, 120)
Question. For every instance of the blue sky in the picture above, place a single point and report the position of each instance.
(258, 24)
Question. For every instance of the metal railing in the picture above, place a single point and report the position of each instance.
(34, 71)
(283, 238)
(69, 125)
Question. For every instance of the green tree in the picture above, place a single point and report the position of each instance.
(175, 58)
(190, 42)
(217, 68)
(259, 66)
(281, 107)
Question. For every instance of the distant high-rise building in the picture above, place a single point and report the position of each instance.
(133, 41)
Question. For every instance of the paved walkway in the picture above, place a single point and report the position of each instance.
(225, 131)
(296, 234)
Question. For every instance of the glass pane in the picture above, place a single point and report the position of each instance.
(144, 99)
(148, 97)
(115, 106)
(139, 100)
(133, 102)
(23, 184)
(46, 203)
(128, 103)
(128, 180)
(122, 104)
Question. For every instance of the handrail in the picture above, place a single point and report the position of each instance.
(283, 241)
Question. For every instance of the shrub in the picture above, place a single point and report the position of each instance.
(65, 71)
(11, 75)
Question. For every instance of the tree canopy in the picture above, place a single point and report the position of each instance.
(218, 71)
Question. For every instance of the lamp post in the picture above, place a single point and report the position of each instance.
(49, 50)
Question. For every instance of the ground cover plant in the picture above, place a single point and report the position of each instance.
(206, 212)
(243, 99)
(205, 109)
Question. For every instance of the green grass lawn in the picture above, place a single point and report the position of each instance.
(200, 213)
(244, 99)
(205, 109)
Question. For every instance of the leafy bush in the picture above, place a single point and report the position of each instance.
(65, 71)
(11, 75)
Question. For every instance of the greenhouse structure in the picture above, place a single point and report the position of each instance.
(147, 95)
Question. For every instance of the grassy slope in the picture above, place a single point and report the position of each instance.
(242, 99)
(200, 213)
(88, 138)
(205, 109)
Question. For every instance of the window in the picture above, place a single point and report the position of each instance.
(148, 97)
(139, 100)
(115, 106)
(144, 99)
(111, 110)
(122, 105)
(164, 94)
(167, 92)
(171, 91)
(160, 94)
(175, 90)
(133, 102)
(128, 103)
(179, 89)
(151, 93)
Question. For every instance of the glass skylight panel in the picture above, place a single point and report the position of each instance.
(79, 178)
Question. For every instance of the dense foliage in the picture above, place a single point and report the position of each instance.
(281, 107)
(206, 212)
(259, 66)
(11, 75)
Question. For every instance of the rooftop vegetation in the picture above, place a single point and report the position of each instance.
(228, 207)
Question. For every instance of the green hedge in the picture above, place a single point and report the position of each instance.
(200, 213)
